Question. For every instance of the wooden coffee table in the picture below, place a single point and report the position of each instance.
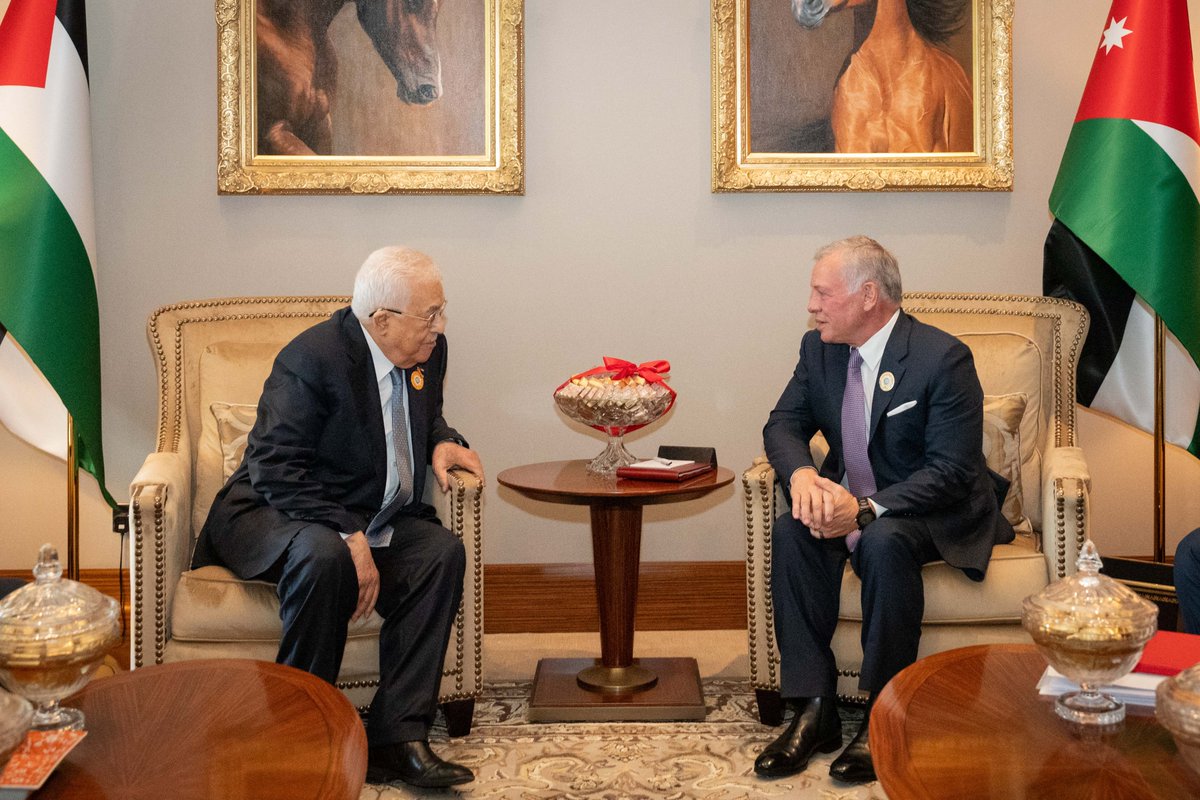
(970, 723)
(615, 686)
(218, 728)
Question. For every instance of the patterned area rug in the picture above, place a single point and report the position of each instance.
(710, 760)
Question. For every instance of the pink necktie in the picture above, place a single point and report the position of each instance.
(859, 477)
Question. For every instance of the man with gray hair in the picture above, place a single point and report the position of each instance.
(327, 502)
(904, 483)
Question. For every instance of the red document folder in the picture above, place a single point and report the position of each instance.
(1168, 653)
(680, 472)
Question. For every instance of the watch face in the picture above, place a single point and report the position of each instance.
(866, 514)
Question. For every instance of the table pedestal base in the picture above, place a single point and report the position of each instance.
(558, 697)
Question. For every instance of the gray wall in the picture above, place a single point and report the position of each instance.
(618, 248)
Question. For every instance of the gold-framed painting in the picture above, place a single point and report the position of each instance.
(861, 95)
(379, 97)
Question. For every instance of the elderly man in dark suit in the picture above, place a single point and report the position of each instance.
(904, 484)
(327, 502)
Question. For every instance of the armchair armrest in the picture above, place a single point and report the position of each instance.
(758, 484)
(460, 510)
(160, 506)
(1066, 485)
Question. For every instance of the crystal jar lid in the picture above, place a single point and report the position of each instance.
(1090, 605)
(55, 615)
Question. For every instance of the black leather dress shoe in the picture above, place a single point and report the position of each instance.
(815, 727)
(854, 764)
(415, 764)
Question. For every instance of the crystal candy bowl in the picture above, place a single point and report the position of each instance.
(1177, 706)
(615, 399)
(1092, 630)
(53, 634)
(16, 715)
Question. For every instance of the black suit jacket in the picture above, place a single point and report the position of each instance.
(927, 459)
(317, 451)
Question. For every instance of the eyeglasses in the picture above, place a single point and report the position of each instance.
(429, 321)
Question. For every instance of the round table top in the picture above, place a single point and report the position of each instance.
(219, 728)
(570, 482)
(970, 723)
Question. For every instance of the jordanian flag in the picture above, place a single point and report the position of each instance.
(1126, 240)
(49, 320)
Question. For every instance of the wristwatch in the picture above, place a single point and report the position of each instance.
(866, 514)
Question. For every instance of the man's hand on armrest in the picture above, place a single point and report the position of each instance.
(448, 455)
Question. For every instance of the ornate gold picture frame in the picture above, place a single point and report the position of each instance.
(821, 95)
(386, 97)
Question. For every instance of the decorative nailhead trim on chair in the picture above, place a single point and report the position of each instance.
(160, 595)
(138, 577)
(1060, 528)
(1081, 534)
(751, 595)
(1064, 416)
(175, 409)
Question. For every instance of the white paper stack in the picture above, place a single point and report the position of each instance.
(1135, 689)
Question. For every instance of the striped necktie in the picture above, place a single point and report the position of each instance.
(379, 532)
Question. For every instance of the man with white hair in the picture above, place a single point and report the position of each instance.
(327, 502)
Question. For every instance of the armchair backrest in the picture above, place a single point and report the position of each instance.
(1021, 344)
(219, 351)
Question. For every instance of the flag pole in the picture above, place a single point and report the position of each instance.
(72, 503)
(1160, 444)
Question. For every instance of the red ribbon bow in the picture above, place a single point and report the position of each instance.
(652, 371)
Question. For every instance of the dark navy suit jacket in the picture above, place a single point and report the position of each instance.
(317, 451)
(928, 459)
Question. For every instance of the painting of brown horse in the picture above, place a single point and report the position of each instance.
(900, 91)
(297, 65)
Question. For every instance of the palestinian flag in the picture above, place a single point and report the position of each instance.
(49, 319)
(1126, 240)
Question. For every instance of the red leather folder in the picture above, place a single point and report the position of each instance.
(1168, 653)
(678, 473)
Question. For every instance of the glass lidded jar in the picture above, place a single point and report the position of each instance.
(1177, 706)
(16, 715)
(1092, 630)
(54, 632)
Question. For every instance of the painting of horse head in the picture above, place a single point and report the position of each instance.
(297, 65)
(404, 33)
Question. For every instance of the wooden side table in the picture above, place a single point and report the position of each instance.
(970, 723)
(616, 686)
(215, 728)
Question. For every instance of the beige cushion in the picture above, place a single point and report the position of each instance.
(230, 373)
(234, 421)
(1008, 362)
(1015, 572)
(213, 605)
(1002, 416)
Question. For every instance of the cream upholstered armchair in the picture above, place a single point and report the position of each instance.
(1025, 350)
(212, 358)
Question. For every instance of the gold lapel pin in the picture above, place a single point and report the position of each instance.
(887, 381)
